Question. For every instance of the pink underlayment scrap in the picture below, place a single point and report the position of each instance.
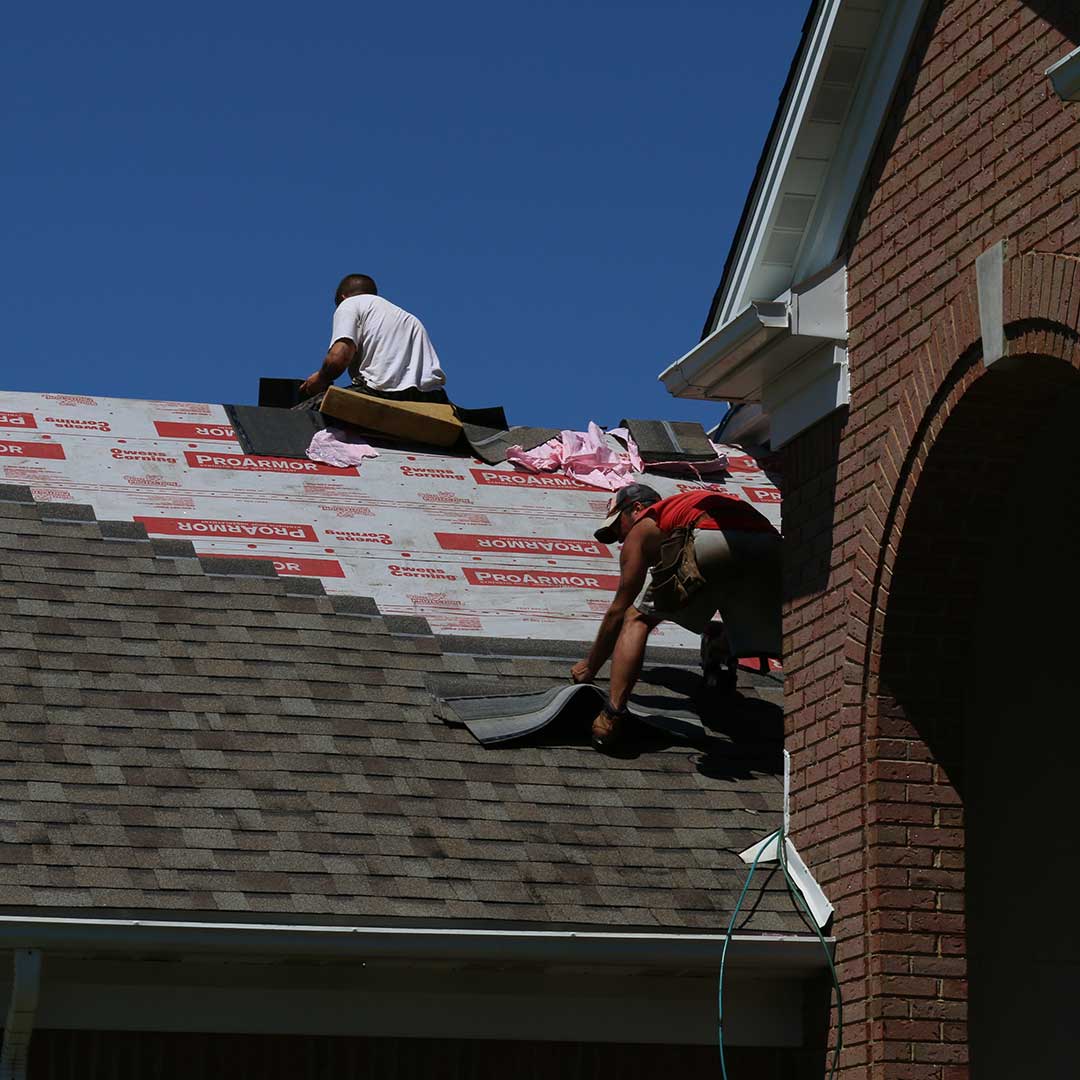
(333, 447)
(585, 456)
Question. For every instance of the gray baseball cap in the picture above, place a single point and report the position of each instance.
(608, 533)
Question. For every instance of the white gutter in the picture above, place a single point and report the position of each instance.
(722, 353)
(675, 951)
(19, 1025)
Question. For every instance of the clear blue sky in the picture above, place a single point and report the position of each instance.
(552, 187)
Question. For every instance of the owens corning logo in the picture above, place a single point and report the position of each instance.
(421, 572)
(210, 527)
(142, 455)
(17, 419)
(359, 537)
(548, 481)
(249, 463)
(530, 545)
(541, 579)
(80, 425)
(31, 450)
(433, 474)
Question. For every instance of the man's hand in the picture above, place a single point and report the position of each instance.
(582, 673)
(314, 384)
(337, 360)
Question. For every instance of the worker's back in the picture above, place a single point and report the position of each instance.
(393, 350)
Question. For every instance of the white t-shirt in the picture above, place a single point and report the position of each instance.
(393, 350)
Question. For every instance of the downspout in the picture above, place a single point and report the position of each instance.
(19, 1025)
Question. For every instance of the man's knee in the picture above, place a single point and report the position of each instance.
(639, 620)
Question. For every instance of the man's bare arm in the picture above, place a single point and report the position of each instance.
(337, 360)
(633, 567)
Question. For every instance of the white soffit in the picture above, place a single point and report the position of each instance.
(827, 130)
(790, 246)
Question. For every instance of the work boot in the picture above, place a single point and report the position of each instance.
(607, 727)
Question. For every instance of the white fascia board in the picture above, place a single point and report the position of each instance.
(1065, 76)
(752, 243)
(413, 944)
(807, 393)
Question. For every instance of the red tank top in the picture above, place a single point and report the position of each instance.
(722, 512)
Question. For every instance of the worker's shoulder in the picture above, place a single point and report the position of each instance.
(381, 307)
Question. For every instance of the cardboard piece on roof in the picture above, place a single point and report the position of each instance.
(413, 421)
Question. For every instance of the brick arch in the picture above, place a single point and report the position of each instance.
(1042, 320)
(927, 528)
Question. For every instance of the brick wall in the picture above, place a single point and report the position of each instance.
(977, 149)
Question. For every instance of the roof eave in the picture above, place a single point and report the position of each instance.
(660, 951)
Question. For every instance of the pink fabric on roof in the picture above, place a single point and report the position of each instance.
(584, 456)
(333, 447)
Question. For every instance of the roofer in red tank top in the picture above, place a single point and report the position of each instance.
(737, 573)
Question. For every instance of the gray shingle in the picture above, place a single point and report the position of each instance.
(185, 735)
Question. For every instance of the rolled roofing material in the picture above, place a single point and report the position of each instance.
(490, 445)
(278, 432)
(489, 436)
(493, 720)
(670, 440)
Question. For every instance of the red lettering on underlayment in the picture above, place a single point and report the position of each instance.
(763, 495)
(531, 481)
(173, 429)
(289, 567)
(526, 545)
(197, 459)
(18, 419)
(742, 463)
(213, 529)
(541, 579)
(17, 450)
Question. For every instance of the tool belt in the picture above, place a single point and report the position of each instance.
(676, 578)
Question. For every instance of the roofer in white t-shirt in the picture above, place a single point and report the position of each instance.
(387, 351)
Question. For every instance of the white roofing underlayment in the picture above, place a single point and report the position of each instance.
(476, 549)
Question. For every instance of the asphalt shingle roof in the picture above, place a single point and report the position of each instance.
(185, 736)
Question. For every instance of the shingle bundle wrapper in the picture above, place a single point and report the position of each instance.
(663, 441)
